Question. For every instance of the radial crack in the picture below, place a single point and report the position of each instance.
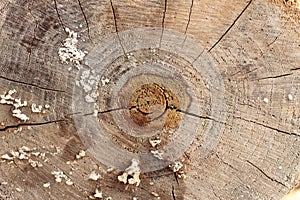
(175, 175)
(232, 167)
(107, 111)
(163, 23)
(173, 193)
(267, 126)
(198, 56)
(188, 22)
(226, 162)
(85, 18)
(33, 85)
(177, 110)
(293, 69)
(273, 77)
(59, 17)
(273, 41)
(189, 19)
(30, 124)
(116, 25)
(229, 28)
(199, 116)
(266, 175)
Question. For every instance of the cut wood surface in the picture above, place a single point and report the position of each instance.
(254, 45)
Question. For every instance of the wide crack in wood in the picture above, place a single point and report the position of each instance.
(294, 69)
(266, 175)
(30, 124)
(167, 108)
(208, 118)
(176, 178)
(116, 25)
(230, 27)
(173, 193)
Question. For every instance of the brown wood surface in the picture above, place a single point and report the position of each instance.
(255, 46)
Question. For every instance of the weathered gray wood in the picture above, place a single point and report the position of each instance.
(255, 47)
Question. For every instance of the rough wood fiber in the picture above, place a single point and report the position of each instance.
(255, 46)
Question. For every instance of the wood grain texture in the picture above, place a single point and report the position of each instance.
(254, 45)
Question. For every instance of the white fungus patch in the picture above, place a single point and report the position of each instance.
(34, 163)
(97, 194)
(18, 130)
(110, 169)
(81, 154)
(266, 100)
(290, 97)
(35, 108)
(6, 157)
(94, 176)
(154, 142)
(158, 154)
(7, 98)
(95, 113)
(18, 114)
(60, 176)
(89, 83)
(176, 166)
(24, 153)
(69, 182)
(89, 99)
(105, 81)
(181, 175)
(134, 171)
(152, 50)
(46, 185)
(70, 51)
(16, 103)
(155, 194)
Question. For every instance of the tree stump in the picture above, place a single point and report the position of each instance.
(215, 84)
